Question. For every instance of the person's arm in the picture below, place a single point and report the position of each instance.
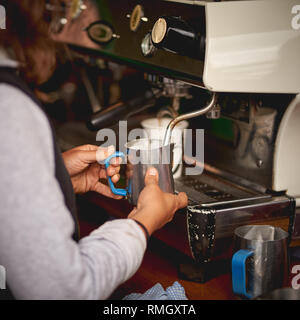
(36, 246)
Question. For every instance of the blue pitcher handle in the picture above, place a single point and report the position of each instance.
(117, 191)
(239, 272)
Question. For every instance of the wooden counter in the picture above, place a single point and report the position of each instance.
(160, 266)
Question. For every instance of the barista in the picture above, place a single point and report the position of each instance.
(39, 243)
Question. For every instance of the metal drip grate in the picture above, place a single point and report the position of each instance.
(208, 189)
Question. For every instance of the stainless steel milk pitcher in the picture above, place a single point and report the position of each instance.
(260, 262)
(141, 155)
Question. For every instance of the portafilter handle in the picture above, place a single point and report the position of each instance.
(122, 110)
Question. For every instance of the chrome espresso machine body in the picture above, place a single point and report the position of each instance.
(248, 53)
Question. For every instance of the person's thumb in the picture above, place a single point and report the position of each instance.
(103, 153)
(182, 200)
(151, 176)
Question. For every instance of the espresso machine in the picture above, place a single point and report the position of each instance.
(233, 69)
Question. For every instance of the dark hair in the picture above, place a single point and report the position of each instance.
(27, 35)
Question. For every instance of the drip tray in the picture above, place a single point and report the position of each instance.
(207, 189)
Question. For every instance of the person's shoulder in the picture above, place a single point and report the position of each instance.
(14, 99)
(17, 107)
(23, 123)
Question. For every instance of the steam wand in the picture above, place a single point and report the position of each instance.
(174, 122)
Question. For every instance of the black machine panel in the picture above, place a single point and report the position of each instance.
(122, 31)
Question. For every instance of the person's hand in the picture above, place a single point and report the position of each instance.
(85, 171)
(155, 208)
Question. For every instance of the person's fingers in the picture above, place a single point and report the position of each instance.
(105, 190)
(182, 200)
(103, 153)
(115, 162)
(151, 176)
(113, 170)
(115, 178)
(86, 147)
(88, 156)
(103, 174)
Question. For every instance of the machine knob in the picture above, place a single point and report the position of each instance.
(175, 35)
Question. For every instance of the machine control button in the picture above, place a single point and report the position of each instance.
(147, 46)
(101, 32)
(136, 17)
(175, 35)
(77, 6)
(159, 31)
